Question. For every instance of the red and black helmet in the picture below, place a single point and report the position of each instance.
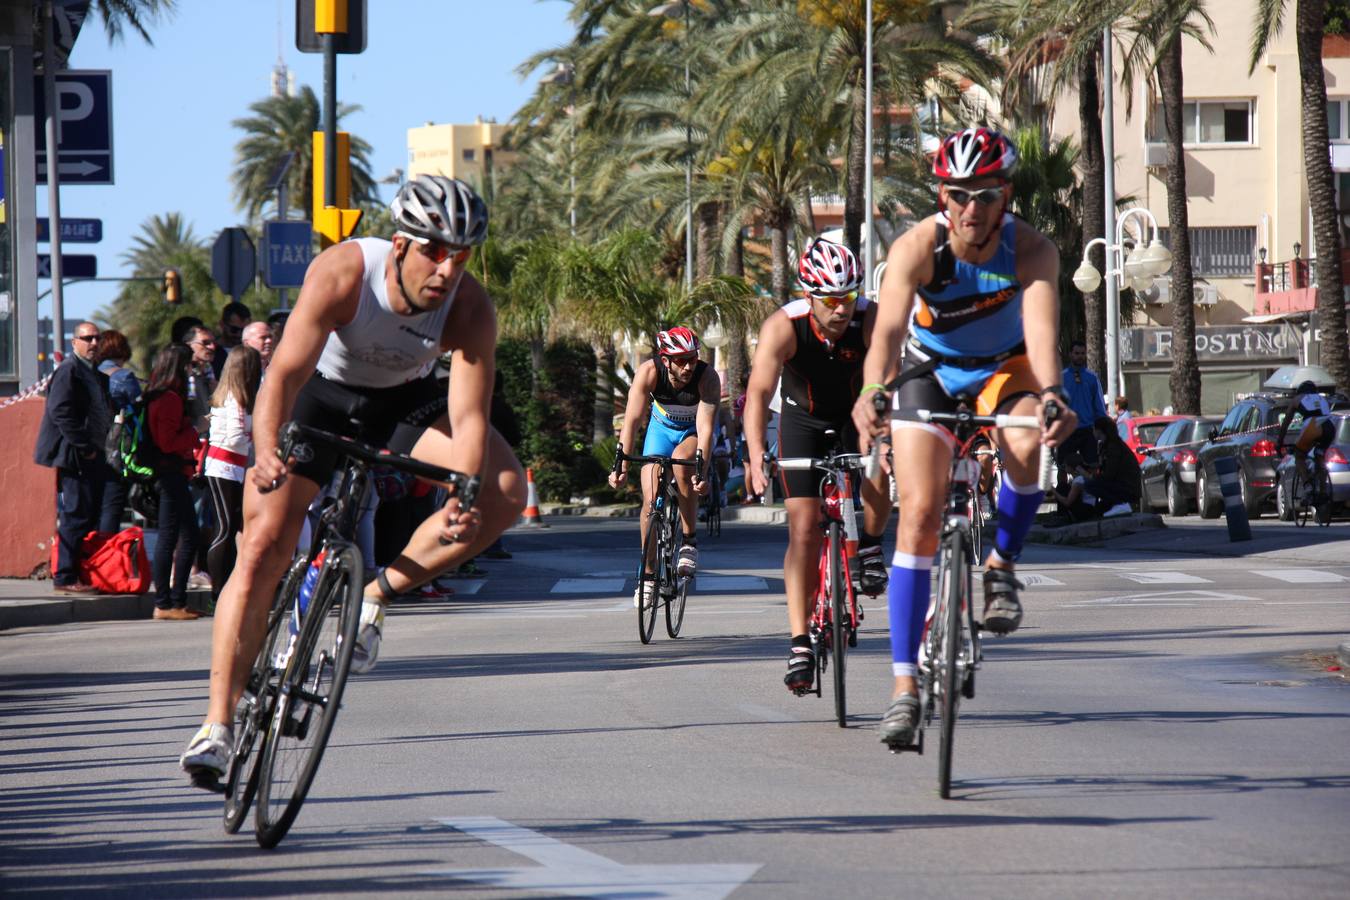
(828, 268)
(677, 341)
(974, 153)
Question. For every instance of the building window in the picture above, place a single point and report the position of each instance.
(468, 155)
(1220, 252)
(1206, 122)
(1338, 118)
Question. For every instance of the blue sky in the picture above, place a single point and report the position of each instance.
(426, 60)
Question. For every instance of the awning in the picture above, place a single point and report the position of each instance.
(1263, 318)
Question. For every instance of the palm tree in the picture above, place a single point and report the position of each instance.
(1309, 24)
(281, 125)
(1156, 29)
(119, 15)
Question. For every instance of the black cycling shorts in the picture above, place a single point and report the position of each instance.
(1011, 382)
(370, 415)
(800, 434)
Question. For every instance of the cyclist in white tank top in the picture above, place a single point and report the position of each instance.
(371, 318)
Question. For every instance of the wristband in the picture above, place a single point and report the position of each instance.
(869, 387)
(1059, 392)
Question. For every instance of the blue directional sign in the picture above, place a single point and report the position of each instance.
(83, 127)
(76, 266)
(73, 231)
(288, 248)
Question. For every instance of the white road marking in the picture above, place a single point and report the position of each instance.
(1164, 577)
(587, 586)
(571, 871)
(1166, 598)
(717, 584)
(1300, 576)
(1036, 579)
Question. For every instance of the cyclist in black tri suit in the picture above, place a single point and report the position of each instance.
(683, 392)
(817, 344)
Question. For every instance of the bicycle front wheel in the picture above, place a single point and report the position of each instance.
(839, 618)
(649, 585)
(254, 708)
(310, 693)
(955, 586)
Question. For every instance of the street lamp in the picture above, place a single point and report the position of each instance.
(677, 9)
(565, 74)
(715, 336)
(1135, 270)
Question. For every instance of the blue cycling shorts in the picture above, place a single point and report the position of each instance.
(663, 436)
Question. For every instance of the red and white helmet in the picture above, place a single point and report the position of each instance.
(678, 341)
(974, 153)
(828, 268)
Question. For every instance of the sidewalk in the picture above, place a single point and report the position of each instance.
(26, 603)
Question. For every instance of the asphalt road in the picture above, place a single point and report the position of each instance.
(1162, 725)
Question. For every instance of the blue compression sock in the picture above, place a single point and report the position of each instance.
(907, 597)
(1017, 505)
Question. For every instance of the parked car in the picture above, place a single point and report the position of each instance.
(1167, 474)
(1338, 467)
(1141, 432)
(1248, 435)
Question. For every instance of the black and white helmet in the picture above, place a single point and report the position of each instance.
(436, 208)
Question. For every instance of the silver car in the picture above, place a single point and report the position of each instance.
(1338, 467)
(1167, 473)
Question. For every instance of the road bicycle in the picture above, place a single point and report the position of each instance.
(1310, 492)
(950, 652)
(662, 586)
(283, 720)
(712, 504)
(835, 617)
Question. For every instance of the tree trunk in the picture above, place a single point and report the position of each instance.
(705, 241)
(602, 421)
(859, 157)
(738, 354)
(1334, 354)
(1184, 379)
(536, 366)
(778, 226)
(1094, 205)
(809, 212)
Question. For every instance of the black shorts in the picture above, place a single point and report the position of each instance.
(370, 415)
(1009, 383)
(799, 435)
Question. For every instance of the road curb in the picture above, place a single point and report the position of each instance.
(38, 611)
(1343, 654)
(1095, 531)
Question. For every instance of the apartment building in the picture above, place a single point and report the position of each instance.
(469, 152)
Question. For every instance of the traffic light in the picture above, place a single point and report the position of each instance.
(334, 223)
(344, 19)
(172, 288)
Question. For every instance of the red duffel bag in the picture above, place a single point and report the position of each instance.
(114, 563)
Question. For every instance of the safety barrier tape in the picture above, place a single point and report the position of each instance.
(29, 394)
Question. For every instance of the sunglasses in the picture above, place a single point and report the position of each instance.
(683, 360)
(834, 301)
(984, 197)
(89, 338)
(203, 343)
(436, 252)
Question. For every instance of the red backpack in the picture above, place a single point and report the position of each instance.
(114, 563)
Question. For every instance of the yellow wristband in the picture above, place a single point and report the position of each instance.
(869, 387)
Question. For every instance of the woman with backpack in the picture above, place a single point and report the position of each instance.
(227, 456)
(175, 437)
(125, 388)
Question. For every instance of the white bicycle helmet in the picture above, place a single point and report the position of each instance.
(436, 208)
(828, 268)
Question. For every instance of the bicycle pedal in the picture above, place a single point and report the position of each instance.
(207, 780)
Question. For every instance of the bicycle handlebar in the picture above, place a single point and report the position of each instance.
(621, 457)
(850, 461)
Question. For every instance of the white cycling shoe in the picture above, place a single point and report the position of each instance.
(686, 563)
(208, 753)
(368, 634)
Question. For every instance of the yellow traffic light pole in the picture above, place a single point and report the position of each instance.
(333, 220)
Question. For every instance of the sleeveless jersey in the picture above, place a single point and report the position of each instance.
(379, 348)
(1313, 406)
(823, 378)
(970, 310)
(677, 407)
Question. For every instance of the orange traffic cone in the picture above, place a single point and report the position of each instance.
(531, 518)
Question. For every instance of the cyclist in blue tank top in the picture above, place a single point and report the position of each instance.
(975, 290)
(683, 393)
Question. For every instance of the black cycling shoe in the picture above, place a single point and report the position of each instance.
(801, 673)
(1002, 609)
(900, 722)
(872, 574)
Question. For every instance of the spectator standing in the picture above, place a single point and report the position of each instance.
(278, 322)
(227, 456)
(201, 375)
(258, 335)
(124, 387)
(234, 318)
(1084, 392)
(70, 439)
(182, 327)
(175, 437)
(1123, 413)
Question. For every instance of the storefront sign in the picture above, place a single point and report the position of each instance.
(1214, 343)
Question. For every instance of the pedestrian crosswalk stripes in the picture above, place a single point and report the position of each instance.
(1300, 576)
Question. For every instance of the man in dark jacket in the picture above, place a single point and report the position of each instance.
(74, 428)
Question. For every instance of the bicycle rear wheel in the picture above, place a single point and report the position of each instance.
(1322, 492)
(839, 617)
(310, 694)
(254, 708)
(956, 581)
(649, 585)
(1298, 496)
